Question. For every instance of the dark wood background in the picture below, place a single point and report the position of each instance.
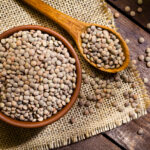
(125, 136)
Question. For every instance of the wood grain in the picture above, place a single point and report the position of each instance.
(126, 135)
(97, 142)
(131, 31)
(140, 18)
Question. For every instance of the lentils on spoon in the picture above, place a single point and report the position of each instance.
(37, 75)
(102, 48)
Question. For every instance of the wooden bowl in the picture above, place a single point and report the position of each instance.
(64, 110)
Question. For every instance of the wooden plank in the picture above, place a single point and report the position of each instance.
(98, 142)
(141, 18)
(131, 31)
(126, 135)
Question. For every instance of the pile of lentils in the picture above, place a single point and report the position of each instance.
(102, 48)
(106, 87)
(37, 75)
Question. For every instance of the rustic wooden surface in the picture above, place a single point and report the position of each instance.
(98, 142)
(125, 137)
(140, 18)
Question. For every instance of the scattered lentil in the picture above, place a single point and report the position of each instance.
(98, 105)
(87, 104)
(145, 80)
(2, 105)
(140, 2)
(81, 95)
(134, 96)
(131, 100)
(118, 85)
(100, 100)
(141, 40)
(140, 131)
(147, 50)
(132, 13)
(116, 15)
(127, 8)
(86, 81)
(134, 62)
(91, 110)
(113, 93)
(89, 97)
(72, 120)
(126, 104)
(141, 57)
(126, 94)
(148, 64)
(138, 106)
(127, 41)
(118, 123)
(114, 104)
(137, 110)
(148, 25)
(120, 108)
(92, 83)
(133, 105)
(139, 9)
(86, 112)
(147, 59)
(132, 114)
(95, 86)
(133, 85)
(81, 103)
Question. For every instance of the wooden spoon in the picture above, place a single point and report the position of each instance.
(75, 28)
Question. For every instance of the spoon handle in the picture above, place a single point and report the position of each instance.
(71, 25)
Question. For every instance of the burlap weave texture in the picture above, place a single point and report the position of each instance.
(15, 13)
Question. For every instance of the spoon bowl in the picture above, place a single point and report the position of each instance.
(75, 28)
(122, 42)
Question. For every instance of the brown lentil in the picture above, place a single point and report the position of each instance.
(86, 112)
(140, 131)
(72, 120)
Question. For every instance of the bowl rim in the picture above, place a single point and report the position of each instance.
(67, 107)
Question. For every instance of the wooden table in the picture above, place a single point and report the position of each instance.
(125, 136)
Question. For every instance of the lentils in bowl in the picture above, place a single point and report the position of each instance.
(102, 48)
(39, 74)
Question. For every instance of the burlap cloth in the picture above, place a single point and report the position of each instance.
(15, 13)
